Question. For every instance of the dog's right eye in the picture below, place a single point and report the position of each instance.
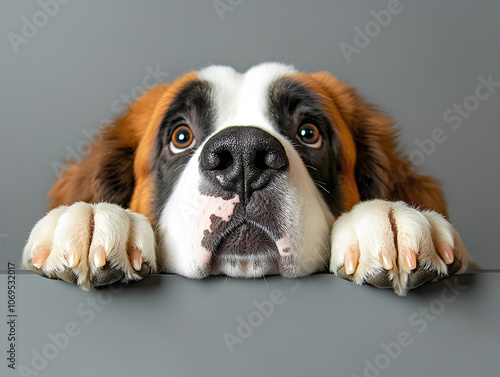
(182, 139)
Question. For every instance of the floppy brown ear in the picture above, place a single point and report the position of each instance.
(381, 170)
(107, 173)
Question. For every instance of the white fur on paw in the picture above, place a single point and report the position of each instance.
(74, 233)
(377, 227)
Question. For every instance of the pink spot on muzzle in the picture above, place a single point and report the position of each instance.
(218, 207)
(213, 206)
(284, 246)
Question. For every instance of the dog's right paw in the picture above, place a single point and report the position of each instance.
(91, 245)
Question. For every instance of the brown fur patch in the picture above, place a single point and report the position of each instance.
(349, 189)
(372, 165)
(118, 166)
(143, 164)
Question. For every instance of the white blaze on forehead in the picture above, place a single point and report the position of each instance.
(242, 99)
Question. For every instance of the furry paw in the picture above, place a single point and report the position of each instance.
(392, 245)
(91, 245)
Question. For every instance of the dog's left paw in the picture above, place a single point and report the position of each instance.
(392, 245)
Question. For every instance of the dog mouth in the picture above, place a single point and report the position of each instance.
(245, 239)
(248, 248)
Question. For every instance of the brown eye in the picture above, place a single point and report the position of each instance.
(309, 135)
(182, 139)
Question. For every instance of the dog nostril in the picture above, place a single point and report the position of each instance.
(265, 159)
(226, 160)
(218, 160)
(275, 160)
(259, 160)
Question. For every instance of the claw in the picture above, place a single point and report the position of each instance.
(73, 259)
(40, 256)
(410, 258)
(99, 256)
(446, 252)
(351, 261)
(136, 258)
(386, 261)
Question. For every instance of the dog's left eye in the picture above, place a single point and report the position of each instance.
(182, 139)
(310, 136)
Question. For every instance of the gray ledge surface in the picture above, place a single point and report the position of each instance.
(317, 326)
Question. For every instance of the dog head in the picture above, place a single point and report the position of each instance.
(243, 174)
(249, 152)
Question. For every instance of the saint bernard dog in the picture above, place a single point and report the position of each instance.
(268, 172)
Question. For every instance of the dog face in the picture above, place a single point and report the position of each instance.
(247, 172)
(236, 207)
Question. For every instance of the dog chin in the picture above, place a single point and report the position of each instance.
(248, 251)
(243, 266)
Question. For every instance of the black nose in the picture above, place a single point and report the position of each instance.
(242, 160)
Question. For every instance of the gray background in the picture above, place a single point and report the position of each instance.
(71, 75)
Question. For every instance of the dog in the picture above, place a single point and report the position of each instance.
(268, 172)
